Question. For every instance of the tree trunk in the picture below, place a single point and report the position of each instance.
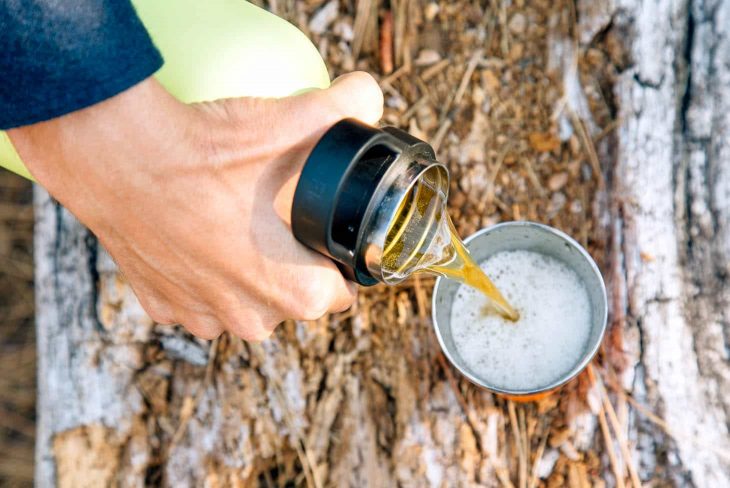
(671, 234)
(365, 398)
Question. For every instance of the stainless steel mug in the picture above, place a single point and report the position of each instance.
(527, 236)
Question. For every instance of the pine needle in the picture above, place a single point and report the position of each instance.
(608, 440)
(622, 441)
(538, 457)
(518, 444)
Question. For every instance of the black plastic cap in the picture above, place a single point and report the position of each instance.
(336, 188)
(325, 178)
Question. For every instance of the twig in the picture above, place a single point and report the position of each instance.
(525, 447)
(15, 422)
(413, 108)
(492, 177)
(401, 16)
(386, 43)
(502, 206)
(608, 440)
(655, 419)
(538, 458)
(613, 125)
(518, 443)
(504, 29)
(440, 134)
(465, 77)
(534, 179)
(432, 71)
(470, 67)
(365, 17)
(588, 145)
(622, 441)
(445, 120)
(421, 300)
(423, 87)
(388, 80)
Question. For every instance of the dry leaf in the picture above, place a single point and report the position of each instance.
(544, 141)
(647, 257)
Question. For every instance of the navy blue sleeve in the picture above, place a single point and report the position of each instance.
(57, 56)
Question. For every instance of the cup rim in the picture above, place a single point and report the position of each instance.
(588, 355)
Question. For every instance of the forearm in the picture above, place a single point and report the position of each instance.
(129, 129)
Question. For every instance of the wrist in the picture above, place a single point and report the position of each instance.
(107, 162)
(63, 152)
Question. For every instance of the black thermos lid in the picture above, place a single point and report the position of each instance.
(335, 191)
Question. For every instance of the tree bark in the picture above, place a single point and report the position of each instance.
(670, 221)
(365, 398)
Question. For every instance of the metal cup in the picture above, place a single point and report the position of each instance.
(528, 236)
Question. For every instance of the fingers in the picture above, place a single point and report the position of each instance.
(324, 292)
(249, 327)
(313, 288)
(344, 297)
(154, 304)
(203, 326)
(319, 293)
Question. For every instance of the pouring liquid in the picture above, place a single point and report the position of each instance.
(422, 239)
(462, 267)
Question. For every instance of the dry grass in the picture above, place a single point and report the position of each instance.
(481, 81)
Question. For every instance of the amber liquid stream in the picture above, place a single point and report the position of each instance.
(464, 269)
(422, 239)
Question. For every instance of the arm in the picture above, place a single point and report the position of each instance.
(193, 201)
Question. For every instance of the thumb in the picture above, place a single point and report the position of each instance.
(354, 95)
(309, 115)
(357, 95)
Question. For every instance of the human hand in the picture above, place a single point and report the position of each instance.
(193, 202)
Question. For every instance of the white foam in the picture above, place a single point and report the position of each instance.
(549, 339)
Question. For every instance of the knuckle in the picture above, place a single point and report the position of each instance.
(349, 301)
(203, 327)
(313, 300)
(161, 318)
(248, 326)
(204, 331)
(251, 330)
(259, 335)
(158, 311)
(366, 79)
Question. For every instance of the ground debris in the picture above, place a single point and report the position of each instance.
(366, 397)
(481, 83)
